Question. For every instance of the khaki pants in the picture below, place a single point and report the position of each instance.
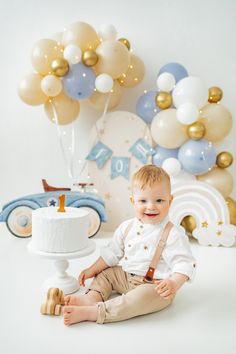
(138, 298)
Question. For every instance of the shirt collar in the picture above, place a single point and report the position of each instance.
(162, 224)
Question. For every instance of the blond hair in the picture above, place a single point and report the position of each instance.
(148, 175)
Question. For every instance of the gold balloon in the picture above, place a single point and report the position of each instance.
(98, 99)
(30, 90)
(125, 42)
(189, 223)
(196, 130)
(219, 178)
(163, 100)
(217, 120)
(224, 159)
(231, 203)
(64, 107)
(89, 58)
(60, 67)
(215, 94)
(135, 73)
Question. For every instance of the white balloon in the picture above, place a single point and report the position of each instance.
(181, 177)
(166, 82)
(190, 89)
(172, 166)
(107, 32)
(187, 113)
(104, 83)
(51, 85)
(72, 53)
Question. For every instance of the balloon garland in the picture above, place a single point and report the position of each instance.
(186, 120)
(81, 64)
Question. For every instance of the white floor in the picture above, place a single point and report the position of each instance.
(201, 320)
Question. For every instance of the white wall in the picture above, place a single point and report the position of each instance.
(199, 34)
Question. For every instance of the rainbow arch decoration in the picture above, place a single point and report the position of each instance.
(208, 207)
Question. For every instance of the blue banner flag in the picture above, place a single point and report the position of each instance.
(100, 153)
(120, 167)
(141, 150)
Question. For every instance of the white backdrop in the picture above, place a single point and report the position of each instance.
(198, 34)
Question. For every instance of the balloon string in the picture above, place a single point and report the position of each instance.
(102, 119)
(68, 162)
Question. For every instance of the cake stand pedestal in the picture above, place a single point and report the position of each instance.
(62, 279)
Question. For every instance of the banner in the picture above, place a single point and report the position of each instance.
(120, 167)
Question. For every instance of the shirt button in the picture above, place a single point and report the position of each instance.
(138, 233)
(141, 226)
(126, 258)
(129, 245)
(145, 247)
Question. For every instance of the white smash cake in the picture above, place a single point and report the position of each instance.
(59, 232)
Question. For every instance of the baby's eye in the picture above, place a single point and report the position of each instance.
(142, 201)
(160, 200)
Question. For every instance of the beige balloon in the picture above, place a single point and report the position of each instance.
(43, 53)
(167, 131)
(217, 120)
(66, 109)
(114, 58)
(98, 99)
(30, 90)
(81, 34)
(135, 73)
(219, 178)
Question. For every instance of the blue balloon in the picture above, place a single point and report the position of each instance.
(175, 69)
(162, 154)
(146, 107)
(79, 83)
(197, 156)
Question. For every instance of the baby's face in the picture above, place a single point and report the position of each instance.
(152, 203)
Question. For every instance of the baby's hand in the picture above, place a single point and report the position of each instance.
(166, 288)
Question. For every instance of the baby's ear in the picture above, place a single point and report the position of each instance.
(131, 198)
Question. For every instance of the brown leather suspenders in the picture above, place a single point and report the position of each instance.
(150, 273)
(161, 244)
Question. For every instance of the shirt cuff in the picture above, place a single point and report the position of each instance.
(187, 269)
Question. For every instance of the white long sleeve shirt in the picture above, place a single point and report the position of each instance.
(135, 251)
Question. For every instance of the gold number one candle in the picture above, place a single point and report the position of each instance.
(61, 208)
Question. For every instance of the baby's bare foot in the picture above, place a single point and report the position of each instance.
(78, 300)
(75, 314)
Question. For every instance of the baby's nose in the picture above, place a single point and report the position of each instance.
(151, 204)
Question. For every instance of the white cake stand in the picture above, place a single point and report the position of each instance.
(61, 279)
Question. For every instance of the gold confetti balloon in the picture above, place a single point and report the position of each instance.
(125, 42)
(89, 58)
(60, 67)
(163, 100)
(231, 203)
(196, 130)
(215, 94)
(189, 223)
(224, 159)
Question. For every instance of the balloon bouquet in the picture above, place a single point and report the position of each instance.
(185, 120)
(81, 64)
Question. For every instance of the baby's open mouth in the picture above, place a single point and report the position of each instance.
(151, 215)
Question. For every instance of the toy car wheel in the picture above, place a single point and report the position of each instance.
(19, 221)
(94, 221)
